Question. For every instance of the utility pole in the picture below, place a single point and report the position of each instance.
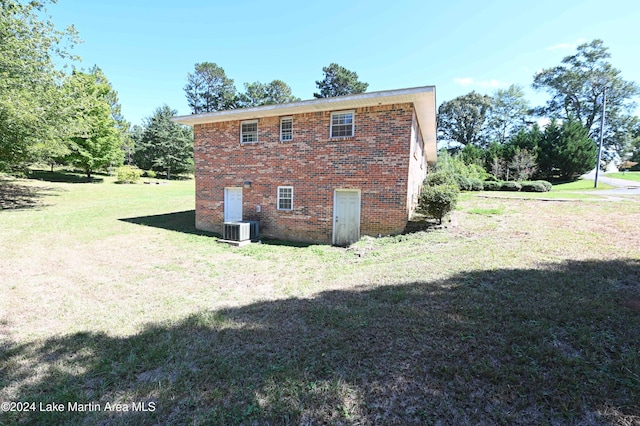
(604, 106)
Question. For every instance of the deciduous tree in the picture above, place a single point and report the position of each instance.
(463, 120)
(577, 87)
(30, 84)
(508, 114)
(94, 137)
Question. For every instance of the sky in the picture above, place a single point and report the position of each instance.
(147, 48)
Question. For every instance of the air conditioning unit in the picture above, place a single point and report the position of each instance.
(255, 229)
(236, 231)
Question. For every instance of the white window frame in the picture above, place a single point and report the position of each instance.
(242, 132)
(281, 198)
(353, 124)
(290, 119)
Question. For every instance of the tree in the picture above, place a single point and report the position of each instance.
(256, 94)
(94, 138)
(508, 114)
(565, 151)
(577, 87)
(209, 89)
(165, 145)
(463, 120)
(523, 164)
(339, 81)
(634, 145)
(30, 90)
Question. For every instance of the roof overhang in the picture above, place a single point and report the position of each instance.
(423, 99)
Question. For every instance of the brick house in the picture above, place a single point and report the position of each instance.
(323, 170)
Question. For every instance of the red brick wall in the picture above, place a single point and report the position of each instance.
(376, 161)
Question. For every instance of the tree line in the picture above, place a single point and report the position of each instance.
(49, 116)
(209, 89)
(502, 132)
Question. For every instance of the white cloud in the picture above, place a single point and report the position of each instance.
(468, 81)
(565, 46)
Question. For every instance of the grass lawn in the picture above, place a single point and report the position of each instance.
(525, 312)
(580, 185)
(634, 176)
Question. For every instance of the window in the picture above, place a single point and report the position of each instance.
(285, 198)
(342, 124)
(286, 129)
(249, 131)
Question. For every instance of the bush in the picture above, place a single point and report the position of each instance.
(490, 185)
(150, 174)
(464, 184)
(476, 184)
(440, 178)
(491, 178)
(532, 186)
(128, 174)
(438, 200)
(547, 185)
(510, 186)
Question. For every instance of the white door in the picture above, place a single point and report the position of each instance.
(232, 204)
(346, 217)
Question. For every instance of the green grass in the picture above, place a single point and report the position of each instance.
(634, 176)
(580, 185)
(524, 313)
(488, 211)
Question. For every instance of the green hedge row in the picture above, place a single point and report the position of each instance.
(471, 184)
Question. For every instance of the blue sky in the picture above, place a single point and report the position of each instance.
(147, 48)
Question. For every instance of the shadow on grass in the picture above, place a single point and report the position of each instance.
(283, 243)
(552, 345)
(177, 221)
(15, 195)
(64, 177)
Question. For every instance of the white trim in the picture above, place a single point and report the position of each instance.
(353, 124)
(289, 117)
(242, 123)
(278, 203)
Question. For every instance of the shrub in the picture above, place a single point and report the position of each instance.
(440, 178)
(489, 185)
(547, 185)
(128, 174)
(463, 183)
(510, 186)
(438, 200)
(532, 186)
(476, 184)
(491, 178)
(150, 174)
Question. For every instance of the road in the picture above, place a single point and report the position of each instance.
(623, 186)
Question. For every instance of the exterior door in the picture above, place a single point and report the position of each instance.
(346, 217)
(232, 204)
